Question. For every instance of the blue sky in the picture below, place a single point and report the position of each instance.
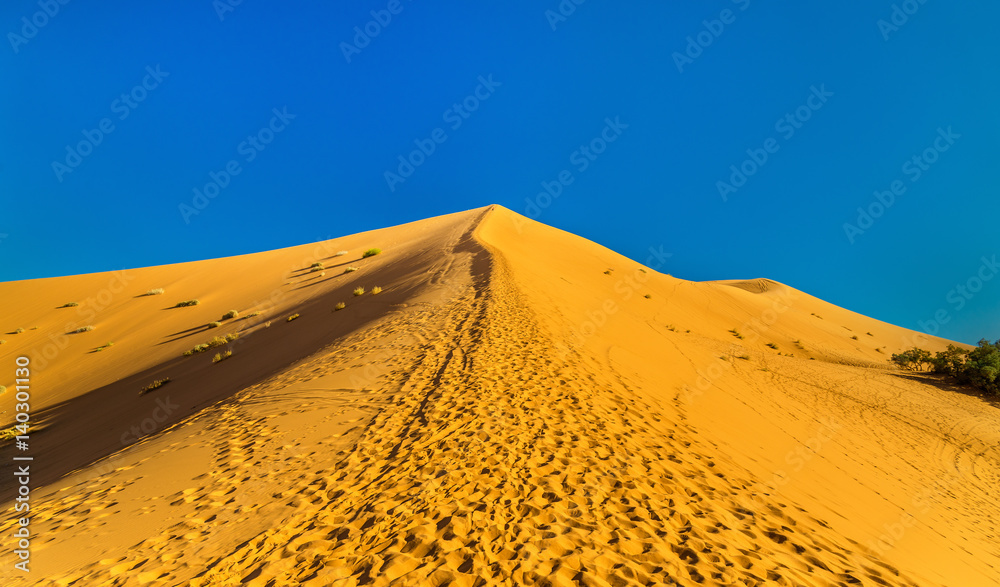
(113, 114)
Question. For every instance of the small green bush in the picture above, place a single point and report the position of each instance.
(230, 314)
(19, 331)
(339, 306)
(154, 385)
(350, 270)
(187, 303)
(154, 292)
(292, 317)
(316, 267)
(214, 324)
(82, 329)
(370, 253)
(222, 357)
(359, 291)
(376, 290)
(216, 341)
(101, 348)
(69, 305)
(3, 390)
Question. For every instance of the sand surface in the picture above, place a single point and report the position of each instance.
(517, 406)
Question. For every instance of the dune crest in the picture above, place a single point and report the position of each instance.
(518, 406)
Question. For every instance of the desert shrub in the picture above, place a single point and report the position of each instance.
(214, 324)
(376, 290)
(607, 272)
(913, 359)
(3, 389)
(154, 385)
(359, 291)
(221, 357)
(154, 292)
(3, 342)
(339, 306)
(736, 333)
(744, 357)
(648, 296)
(292, 317)
(82, 329)
(982, 367)
(340, 253)
(950, 362)
(350, 270)
(316, 267)
(370, 253)
(855, 337)
(254, 315)
(187, 303)
(869, 334)
(216, 341)
(101, 348)
(230, 314)
(772, 345)
(19, 331)
(69, 305)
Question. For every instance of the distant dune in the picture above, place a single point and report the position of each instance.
(517, 405)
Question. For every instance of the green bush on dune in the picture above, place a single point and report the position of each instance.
(978, 368)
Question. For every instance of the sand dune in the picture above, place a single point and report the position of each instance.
(517, 406)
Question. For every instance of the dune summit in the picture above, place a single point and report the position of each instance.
(515, 405)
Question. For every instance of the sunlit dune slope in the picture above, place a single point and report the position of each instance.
(518, 406)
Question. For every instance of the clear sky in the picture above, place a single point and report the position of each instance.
(114, 113)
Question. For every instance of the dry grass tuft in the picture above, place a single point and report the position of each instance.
(154, 385)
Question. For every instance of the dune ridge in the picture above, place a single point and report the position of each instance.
(510, 413)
